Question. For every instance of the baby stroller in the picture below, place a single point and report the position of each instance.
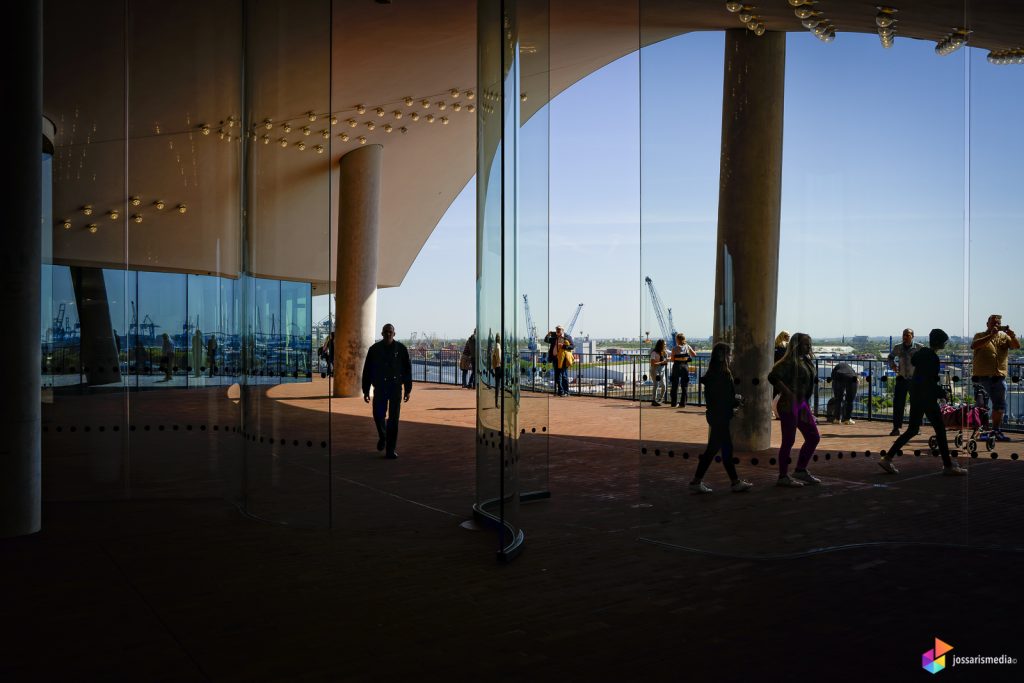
(969, 421)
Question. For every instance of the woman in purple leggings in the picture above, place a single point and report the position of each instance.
(794, 377)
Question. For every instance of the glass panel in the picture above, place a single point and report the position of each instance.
(993, 239)
(532, 259)
(287, 246)
(497, 390)
(84, 449)
(680, 125)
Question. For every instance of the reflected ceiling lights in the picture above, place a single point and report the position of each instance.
(886, 22)
(1004, 57)
(952, 42)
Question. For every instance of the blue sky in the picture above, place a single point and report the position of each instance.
(878, 229)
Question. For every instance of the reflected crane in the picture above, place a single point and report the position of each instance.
(572, 323)
(531, 328)
(667, 328)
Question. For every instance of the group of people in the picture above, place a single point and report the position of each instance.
(388, 370)
(679, 377)
(793, 377)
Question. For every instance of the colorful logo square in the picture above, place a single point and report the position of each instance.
(934, 660)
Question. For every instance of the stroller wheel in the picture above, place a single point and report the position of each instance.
(972, 446)
(990, 444)
(959, 440)
(933, 442)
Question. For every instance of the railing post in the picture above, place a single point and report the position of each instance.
(871, 391)
(606, 375)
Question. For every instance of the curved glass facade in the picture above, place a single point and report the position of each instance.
(639, 176)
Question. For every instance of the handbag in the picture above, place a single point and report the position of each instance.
(465, 362)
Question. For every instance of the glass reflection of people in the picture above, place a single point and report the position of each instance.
(682, 353)
(211, 353)
(141, 356)
(991, 351)
(722, 403)
(899, 362)
(925, 392)
(388, 370)
(558, 343)
(197, 352)
(497, 369)
(781, 342)
(659, 359)
(794, 376)
(327, 352)
(167, 350)
(467, 362)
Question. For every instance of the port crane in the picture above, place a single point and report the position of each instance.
(572, 323)
(531, 328)
(667, 326)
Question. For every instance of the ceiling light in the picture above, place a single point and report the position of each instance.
(444, 120)
(87, 209)
(360, 109)
(805, 11)
(334, 120)
(414, 116)
(113, 214)
(733, 7)
(471, 108)
(301, 145)
(283, 143)
(380, 111)
(159, 204)
(454, 92)
(135, 201)
(425, 104)
(408, 101)
(470, 94)
(388, 128)
(137, 218)
(351, 123)
(319, 149)
(325, 134)
(362, 140)
(397, 114)
(205, 129)
(403, 130)
(311, 116)
(370, 125)
(93, 228)
(66, 224)
(885, 17)
(182, 208)
(268, 123)
(430, 118)
(287, 128)
(344, 137)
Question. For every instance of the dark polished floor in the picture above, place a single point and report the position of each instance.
(144, 572)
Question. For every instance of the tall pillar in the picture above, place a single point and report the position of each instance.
(356, 294)
(749, 200)
(20, 263)
(98, 349)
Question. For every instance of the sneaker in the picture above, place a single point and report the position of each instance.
(954, 470)
(700, 487)
(655, 404)
(895, 431)
(999, 436)
(806, 477)
(741, 486)
(849, 422)
(886, 464)
(789, 482)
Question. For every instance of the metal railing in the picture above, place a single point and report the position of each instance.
(627, 377)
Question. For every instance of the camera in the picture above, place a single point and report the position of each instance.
(1004, 328)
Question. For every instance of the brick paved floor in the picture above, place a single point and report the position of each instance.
(143, 572)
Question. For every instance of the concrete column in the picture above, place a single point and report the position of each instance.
(356, 294)
(98, 349)
(20, 263)
(749, 199)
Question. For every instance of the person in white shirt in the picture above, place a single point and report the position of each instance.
(681, 355)
(659, 359)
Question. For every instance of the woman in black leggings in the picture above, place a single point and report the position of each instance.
(722, 402)
(925, 392)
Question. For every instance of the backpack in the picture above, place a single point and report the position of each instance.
(832, 410)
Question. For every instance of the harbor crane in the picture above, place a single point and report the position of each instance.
(531, 328)
(667, 326)
(572, 323)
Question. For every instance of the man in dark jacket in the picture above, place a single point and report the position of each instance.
(389, 370)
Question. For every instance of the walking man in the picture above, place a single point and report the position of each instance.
(389, 371)
(899, 362)
(991, 349)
